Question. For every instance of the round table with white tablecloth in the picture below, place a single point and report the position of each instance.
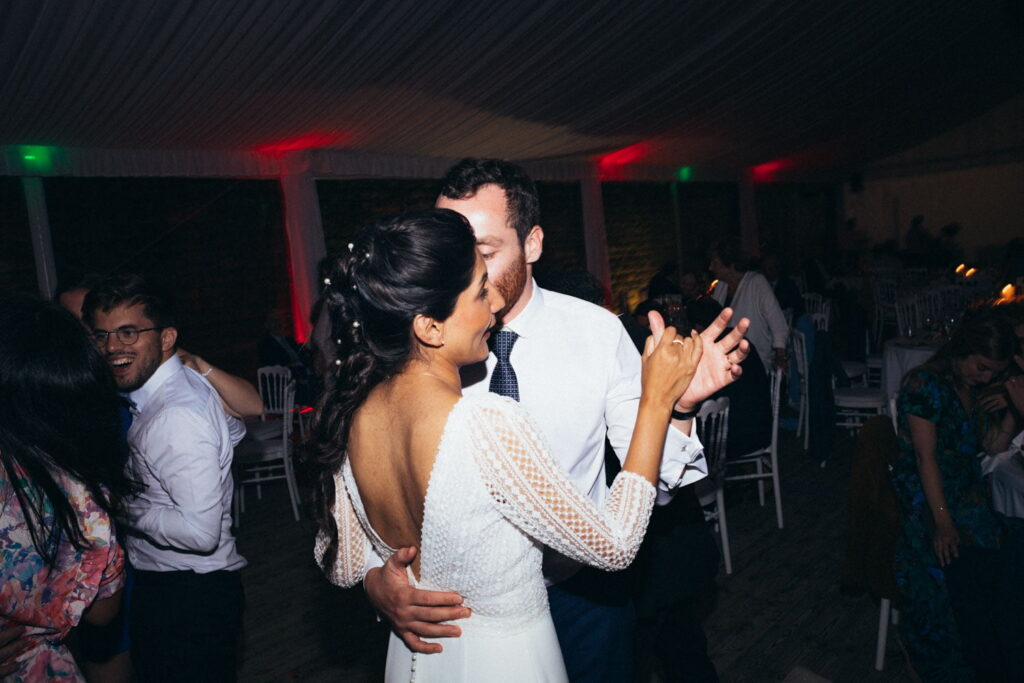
(902, 355)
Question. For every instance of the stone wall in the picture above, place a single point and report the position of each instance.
(218, 245)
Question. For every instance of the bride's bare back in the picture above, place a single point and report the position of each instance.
(392, 446)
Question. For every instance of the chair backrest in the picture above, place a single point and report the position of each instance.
(892, 413)
(908, 317)
(713, 430)
(288, 410)
(800, 352)
(885, 286)
(272, 382)
(814, 303)
(820, 321)
(777, 379)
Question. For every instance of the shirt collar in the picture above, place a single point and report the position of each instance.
(141, 396)
(526, 321)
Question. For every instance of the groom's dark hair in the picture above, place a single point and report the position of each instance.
(464, 179)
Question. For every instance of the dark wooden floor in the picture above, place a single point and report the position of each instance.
(780, 609)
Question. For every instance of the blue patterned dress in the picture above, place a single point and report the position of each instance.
(927, 626)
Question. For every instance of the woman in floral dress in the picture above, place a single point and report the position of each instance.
(61, 454)
(950, 534)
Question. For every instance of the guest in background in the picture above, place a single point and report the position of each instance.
(104, 650)
(664, 282)
(577, 283)
(750, 410)
(238, 396)
(186, 610)
(750, 296)
(637, 325)
(62, 456)
(276, 347)
(947, 565)
(1013, 314)
(72, 290)
(786, 292)
(690, 286)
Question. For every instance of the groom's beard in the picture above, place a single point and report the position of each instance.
(511, 285)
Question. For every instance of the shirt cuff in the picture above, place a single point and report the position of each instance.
(682, 464)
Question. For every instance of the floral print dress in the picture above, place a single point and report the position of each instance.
(49, 602)
(927, 626)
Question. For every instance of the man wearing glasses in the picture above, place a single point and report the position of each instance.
(186, 609)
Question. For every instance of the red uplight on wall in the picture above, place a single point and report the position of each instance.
(307, 141)
(765, 172)
(612, 166)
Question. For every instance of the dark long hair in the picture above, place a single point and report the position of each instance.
(415, 263)
(982, 332)
(59, 412)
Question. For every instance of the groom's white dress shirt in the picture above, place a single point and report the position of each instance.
(579, 378)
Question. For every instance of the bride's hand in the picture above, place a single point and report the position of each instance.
(669, 363)
(720, 362)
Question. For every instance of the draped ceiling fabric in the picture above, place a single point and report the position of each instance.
(714, 85)
(573, 89)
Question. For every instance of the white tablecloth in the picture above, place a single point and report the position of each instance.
(901, 355)
(1006, 477)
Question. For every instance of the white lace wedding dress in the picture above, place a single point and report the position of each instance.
(494, 498)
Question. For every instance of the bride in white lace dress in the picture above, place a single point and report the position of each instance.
(405, 460)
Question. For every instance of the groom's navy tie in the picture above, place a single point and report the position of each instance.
(503, 379)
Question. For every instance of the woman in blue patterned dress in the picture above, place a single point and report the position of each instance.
(946, 557)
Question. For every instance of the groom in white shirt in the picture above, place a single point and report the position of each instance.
(578, 375)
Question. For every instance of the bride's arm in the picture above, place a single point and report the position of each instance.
(354, 556)
(539, 498)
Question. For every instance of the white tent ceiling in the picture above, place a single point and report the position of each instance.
(820, 85)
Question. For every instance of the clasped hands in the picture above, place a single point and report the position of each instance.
(720, 362)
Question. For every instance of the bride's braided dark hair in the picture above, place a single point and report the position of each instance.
(415, 263)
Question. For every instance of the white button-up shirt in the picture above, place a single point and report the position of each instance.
(579, 378)
(755, 299)
(181, 443)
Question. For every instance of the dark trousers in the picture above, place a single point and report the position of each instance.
(185, 626)
(974, 585)
(674, 575)
(594, 618)
(986, 593)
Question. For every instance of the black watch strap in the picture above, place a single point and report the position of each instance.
(676, 415)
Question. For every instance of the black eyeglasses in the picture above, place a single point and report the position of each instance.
(126, 334)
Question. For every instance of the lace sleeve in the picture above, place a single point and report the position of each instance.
(350, 560)
(538, 497)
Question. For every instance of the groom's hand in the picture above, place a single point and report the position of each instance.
(719, 364)
(414, 613)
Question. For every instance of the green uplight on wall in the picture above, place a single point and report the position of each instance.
(685, 174)
(37, 158)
